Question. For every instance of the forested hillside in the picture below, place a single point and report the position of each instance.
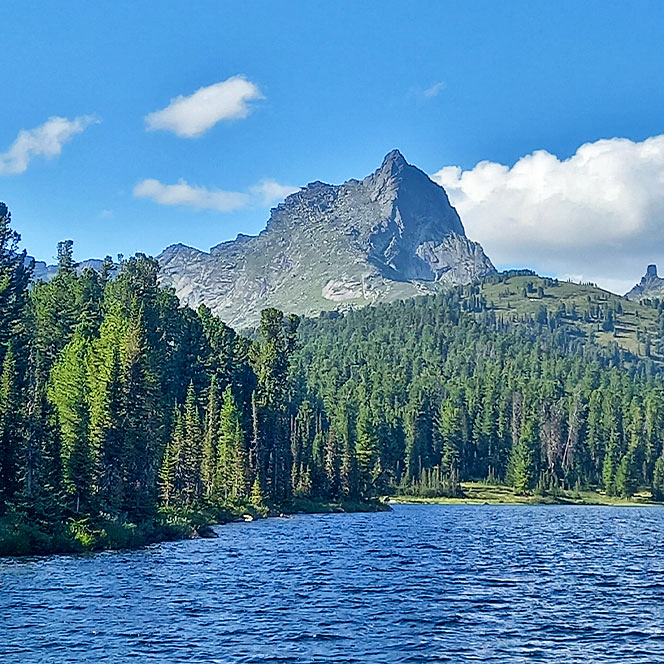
(120, 407)
(451, 387)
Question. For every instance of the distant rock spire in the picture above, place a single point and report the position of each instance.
(651, 285)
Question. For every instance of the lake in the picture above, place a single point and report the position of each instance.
(424, 583)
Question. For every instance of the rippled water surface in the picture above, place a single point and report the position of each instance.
(420, 584)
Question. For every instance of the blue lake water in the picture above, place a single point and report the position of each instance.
(420, 584)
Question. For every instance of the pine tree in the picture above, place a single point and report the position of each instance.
(211, 440)
(42, 491)
(142, 426)
(257, 494)
(449, 429)
(523, 460)
(14, 277)
(68, 391)
(231, 474)
(658, 480)
(192, 447)
(10, 428)
(366, 451)
(626, 477)
(241, 470)
(171, 475)
(332, 463)
(111, 439)
(270, 358)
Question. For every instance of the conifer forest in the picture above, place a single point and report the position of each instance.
(118, 405)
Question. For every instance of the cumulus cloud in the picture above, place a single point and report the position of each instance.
(192, 116)
(597, 216)
(202, 198)
(270, 191)
(46, 140)
(435, 89)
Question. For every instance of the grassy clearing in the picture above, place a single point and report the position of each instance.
(478, 493)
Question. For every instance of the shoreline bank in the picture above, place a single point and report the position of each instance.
(20, 538)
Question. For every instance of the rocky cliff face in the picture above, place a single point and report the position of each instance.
(651, 285)
(391, 235)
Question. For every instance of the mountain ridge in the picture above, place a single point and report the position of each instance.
(391, 235)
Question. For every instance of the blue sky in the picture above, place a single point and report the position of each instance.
(325, 89)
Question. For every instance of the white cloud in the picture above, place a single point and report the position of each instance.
(598, 215)
(201, 198)
(46, 140)
(196, 197)
(192, 116)
(270, 191)
(435, 89)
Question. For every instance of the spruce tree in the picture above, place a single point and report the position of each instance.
(111, 438)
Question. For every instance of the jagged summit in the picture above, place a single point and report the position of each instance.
(391, 235)
(651, 285)
(393, 161)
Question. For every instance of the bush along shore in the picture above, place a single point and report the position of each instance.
(76, 534)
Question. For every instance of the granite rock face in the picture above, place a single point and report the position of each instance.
(391, 235)
(651, 285)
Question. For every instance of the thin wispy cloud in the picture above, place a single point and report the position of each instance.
(193, 116)
(435, 89)
(45, 141)
(598, 215)
(202, 198)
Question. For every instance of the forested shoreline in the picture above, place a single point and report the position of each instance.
(456, 393)
(126, 417)
(122, 411)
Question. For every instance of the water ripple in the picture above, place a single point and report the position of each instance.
(421, 585)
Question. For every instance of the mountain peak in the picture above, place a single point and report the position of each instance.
(651, 285)
(394, 158)
(391, 235)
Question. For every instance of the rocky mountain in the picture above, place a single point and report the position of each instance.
(651, 285)
(44, 272)
(391, 235)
